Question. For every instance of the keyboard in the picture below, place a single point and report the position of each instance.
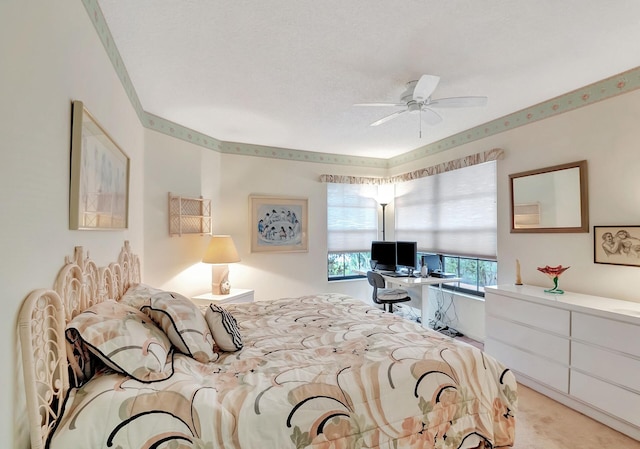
(440, 274)
(397, 275)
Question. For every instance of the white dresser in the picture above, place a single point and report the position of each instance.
(581, 350)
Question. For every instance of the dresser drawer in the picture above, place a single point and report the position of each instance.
(533, 340)
(540, 316)
(541, 369)
(612, 334)
(609, 398)
(607, 365)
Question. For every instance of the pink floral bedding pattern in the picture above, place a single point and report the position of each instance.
(321, 372)
(183, 323)
(124, 339)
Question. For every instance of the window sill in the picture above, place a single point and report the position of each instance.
(349, 279)
(461, 294)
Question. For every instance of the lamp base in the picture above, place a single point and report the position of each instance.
(220, 280)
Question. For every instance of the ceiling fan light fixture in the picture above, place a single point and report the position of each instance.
(417, 99)
(413, 106)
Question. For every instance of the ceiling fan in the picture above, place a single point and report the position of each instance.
(417, 99)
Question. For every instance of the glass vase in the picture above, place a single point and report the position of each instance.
(555, 290)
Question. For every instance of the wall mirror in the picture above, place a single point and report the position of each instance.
(550, 199)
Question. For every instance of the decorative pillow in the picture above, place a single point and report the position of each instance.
(138, 295)
(124, 339)
(224, 328)
(82, 365)
(184, 324)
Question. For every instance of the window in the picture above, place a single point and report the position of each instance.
(475, 273)
(347, 265)
(453, 214)
(352, 223)
(450, 213)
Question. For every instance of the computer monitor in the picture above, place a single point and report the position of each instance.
(432, 261)
(407, 254)
(383, 255)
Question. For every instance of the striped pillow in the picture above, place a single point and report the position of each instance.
(224, 328)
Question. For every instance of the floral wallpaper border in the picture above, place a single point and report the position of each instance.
(610, 87)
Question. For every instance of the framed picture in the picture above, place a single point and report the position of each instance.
(617, 245)
(99, 190)
(278, 224)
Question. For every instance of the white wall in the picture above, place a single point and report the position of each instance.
(50, 56)
(606, 135)
(275, 275)
(175, 166)
(174, 262)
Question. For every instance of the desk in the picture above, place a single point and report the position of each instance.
(423, 285)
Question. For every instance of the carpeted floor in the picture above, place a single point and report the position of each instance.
(543, 423)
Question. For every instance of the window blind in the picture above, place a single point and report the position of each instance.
(352, 216)
(450, 213)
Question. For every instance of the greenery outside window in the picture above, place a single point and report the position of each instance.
(347, 265)
(475, 273)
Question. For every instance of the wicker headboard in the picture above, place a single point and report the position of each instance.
(41, 325)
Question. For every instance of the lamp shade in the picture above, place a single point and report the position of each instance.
(221, 250)
(385, 193)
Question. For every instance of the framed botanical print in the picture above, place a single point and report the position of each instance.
(99, 189)
(278, 224)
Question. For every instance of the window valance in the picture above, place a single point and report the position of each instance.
(467, 161)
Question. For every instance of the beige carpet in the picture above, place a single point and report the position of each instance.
(543, 423)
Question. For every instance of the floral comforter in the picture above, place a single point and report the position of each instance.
(325, 371)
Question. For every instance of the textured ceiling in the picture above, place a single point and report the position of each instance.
(286, 73)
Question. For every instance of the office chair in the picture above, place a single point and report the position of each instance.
(385, 296)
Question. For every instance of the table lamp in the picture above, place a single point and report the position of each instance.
(221, 251)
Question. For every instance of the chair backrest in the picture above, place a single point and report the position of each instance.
(375, 279)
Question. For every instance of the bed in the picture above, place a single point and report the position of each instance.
(321, 371)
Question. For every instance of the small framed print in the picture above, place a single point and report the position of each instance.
(99, 190)
(278, 224)
(616, 245)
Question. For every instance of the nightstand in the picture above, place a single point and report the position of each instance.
(237, 295)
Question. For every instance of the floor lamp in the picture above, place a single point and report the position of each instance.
(385, 196)
(383, 217)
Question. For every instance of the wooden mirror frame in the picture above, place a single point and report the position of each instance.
(584, 198)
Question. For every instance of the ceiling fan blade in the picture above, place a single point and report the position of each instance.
(388, 117)
(430, 116)
(381, 104)
(425, 87)
(458, 102)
